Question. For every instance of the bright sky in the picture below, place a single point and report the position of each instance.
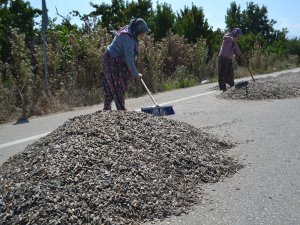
(286, 12)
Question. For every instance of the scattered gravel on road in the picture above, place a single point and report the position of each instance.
(112, 168)
(280, 87)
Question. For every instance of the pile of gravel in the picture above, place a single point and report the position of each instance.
(111, 168)
(280, 87)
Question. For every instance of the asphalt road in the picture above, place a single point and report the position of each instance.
(267, 134)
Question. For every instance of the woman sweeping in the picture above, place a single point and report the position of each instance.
(229, 48)
(119, 62)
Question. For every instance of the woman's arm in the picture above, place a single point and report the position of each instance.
(129, 53)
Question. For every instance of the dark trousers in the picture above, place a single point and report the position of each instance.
(225, 72)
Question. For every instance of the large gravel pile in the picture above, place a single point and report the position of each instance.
(280, 87)
(111, 168)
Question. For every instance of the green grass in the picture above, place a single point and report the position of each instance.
(189, 82)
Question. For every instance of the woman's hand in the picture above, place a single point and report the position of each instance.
(138, 77)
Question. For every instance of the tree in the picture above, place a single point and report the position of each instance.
(112, 16)
(258, 29)
(163, 20)
(192, 24)
(118, 14)
(255, 20)
(233, 17)
(141, 9)
(15, 14)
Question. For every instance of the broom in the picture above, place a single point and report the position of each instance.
(157, 110)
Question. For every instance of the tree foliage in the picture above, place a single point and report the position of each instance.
(163, 20)
(192, 24)
(253, 19)
(257, 28)
(15, 14)
(21, 71)
(117, 14)
(233, 16)
(111, 15)
(293, 46)
(139, 8)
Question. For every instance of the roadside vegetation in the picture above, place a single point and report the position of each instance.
(181, 51)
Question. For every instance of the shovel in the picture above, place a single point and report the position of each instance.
(157, 110)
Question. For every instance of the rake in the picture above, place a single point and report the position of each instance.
(250, 72)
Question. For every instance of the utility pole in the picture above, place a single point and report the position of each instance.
(45, 23)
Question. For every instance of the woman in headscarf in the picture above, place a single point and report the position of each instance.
(119, 62)
(229, 48)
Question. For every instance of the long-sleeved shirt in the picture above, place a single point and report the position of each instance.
(229, 47)
(124, 46)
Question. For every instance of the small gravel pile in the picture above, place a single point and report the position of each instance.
(111, 168)
(281, 87)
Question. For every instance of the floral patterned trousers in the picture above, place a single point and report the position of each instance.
(115, 79)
